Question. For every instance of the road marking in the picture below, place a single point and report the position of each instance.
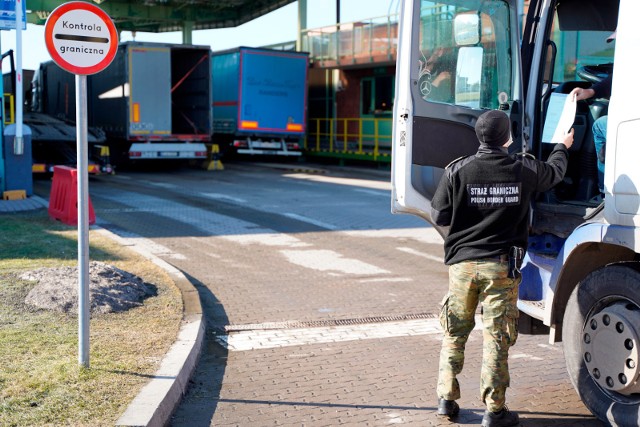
(420, 254)
(426, 235)
(268, 239)
(548, 347)
(366, 183)
(268, 339)
(525, 356)
(310, 221)
(373, 192)
(224, 197)
(327, 260)
(395, 418)
(132, 239)
(161, 184)
(387, 279)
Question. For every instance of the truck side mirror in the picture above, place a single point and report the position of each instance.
(466, 29)
(469, 76)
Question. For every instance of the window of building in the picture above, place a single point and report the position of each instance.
(376, 95)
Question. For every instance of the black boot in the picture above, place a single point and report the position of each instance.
(504, 418)
(448, 408)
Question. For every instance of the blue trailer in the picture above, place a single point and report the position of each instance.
(259, 101)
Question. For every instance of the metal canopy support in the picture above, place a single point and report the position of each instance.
(302, 23)
(187, 30)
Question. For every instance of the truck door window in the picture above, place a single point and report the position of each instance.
(577, 49)
(465, 58)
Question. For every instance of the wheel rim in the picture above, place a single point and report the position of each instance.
(611, 347)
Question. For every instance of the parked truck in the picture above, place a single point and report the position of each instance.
(153, 101)
(581, 274)
(53, 139)
(259, 101)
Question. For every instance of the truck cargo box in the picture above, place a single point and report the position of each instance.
(260, 99)
(154, 91)
(151, 93)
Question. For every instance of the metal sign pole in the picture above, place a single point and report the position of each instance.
(18, 142)
(70, 50)
(83, 220)
(2, 112)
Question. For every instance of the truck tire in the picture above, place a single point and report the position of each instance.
(600, 335)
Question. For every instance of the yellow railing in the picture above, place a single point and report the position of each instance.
(8, 109)
(356, 136)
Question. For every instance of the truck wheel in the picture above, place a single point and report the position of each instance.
(601, 340)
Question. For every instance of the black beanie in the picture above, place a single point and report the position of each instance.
(492, 128)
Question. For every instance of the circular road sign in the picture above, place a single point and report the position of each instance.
(81, 38)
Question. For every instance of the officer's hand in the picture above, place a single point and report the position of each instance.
(567, 140)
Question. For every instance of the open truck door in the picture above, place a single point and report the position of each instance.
(456, 60)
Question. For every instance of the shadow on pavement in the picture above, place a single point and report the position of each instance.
(201, 399)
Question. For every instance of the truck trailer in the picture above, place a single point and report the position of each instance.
(581, 272)
(53, 140)
(153, 101)
(259, 101)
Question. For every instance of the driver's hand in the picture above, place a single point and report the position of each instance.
(581, 93)
(567, 140)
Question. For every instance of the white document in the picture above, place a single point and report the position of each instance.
(561, 113)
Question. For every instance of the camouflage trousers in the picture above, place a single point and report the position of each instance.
(471, 282)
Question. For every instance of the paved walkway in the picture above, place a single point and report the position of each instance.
(28, 204)
(276, 350)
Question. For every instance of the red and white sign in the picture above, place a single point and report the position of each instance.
(81, 38)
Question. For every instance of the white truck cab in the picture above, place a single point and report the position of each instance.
(581, 275)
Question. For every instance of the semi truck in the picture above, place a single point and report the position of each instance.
(153, 101)
(53, 140)
(259, 101)
(581, 273)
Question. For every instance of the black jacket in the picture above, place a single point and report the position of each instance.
(485, 200)
(602, 89)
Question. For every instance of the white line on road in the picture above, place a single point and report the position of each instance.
(310, 221)
(223, 197)
(373, 192)
(525, 356)
(268, 239)
(266, 339)
(161, 184)
(385, 279)
(149, 245)
(327, 260)
(420, 254)
(366, 183)
(425, 235)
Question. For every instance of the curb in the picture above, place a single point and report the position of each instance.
(158, 399)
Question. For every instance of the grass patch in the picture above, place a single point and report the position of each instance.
(41, 382)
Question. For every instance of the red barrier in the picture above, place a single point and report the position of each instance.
(63, 201)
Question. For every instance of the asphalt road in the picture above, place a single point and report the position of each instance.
(321, 305)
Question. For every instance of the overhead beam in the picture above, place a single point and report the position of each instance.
(169, 15)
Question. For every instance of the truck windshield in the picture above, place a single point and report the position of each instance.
(577, 49)
(465, 56)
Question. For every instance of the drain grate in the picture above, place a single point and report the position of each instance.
(326, 323)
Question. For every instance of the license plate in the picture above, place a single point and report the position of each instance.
(274, 145)
(168, 154)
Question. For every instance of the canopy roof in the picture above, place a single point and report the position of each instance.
(168, 15)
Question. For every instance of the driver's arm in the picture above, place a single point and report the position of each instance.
(581, 93)
(602, 89)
